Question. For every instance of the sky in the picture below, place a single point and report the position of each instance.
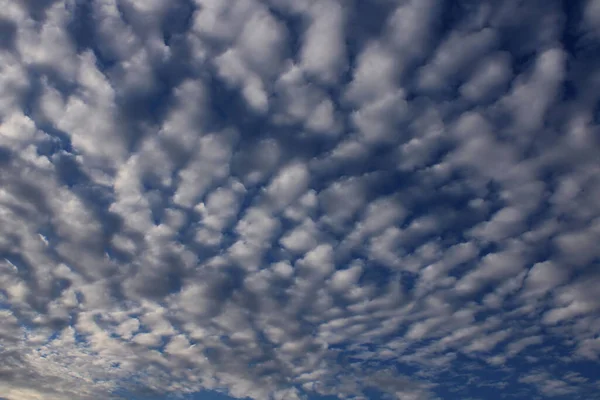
(299, 199)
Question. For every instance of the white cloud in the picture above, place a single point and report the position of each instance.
(530, 97)
(288, 185)
(323, 48)
(274, 198)
(544, 276)
(454, 57)
(489, 76)
(302, 238)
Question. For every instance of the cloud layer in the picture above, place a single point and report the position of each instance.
(281, 198)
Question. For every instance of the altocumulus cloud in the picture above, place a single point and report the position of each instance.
(286, 199)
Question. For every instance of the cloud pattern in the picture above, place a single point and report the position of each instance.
(276, 199)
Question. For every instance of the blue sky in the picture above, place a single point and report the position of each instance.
(299, 199)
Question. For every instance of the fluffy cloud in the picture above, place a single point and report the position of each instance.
(284, 199)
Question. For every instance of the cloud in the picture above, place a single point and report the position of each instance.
(323, 52)
(291, 199)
